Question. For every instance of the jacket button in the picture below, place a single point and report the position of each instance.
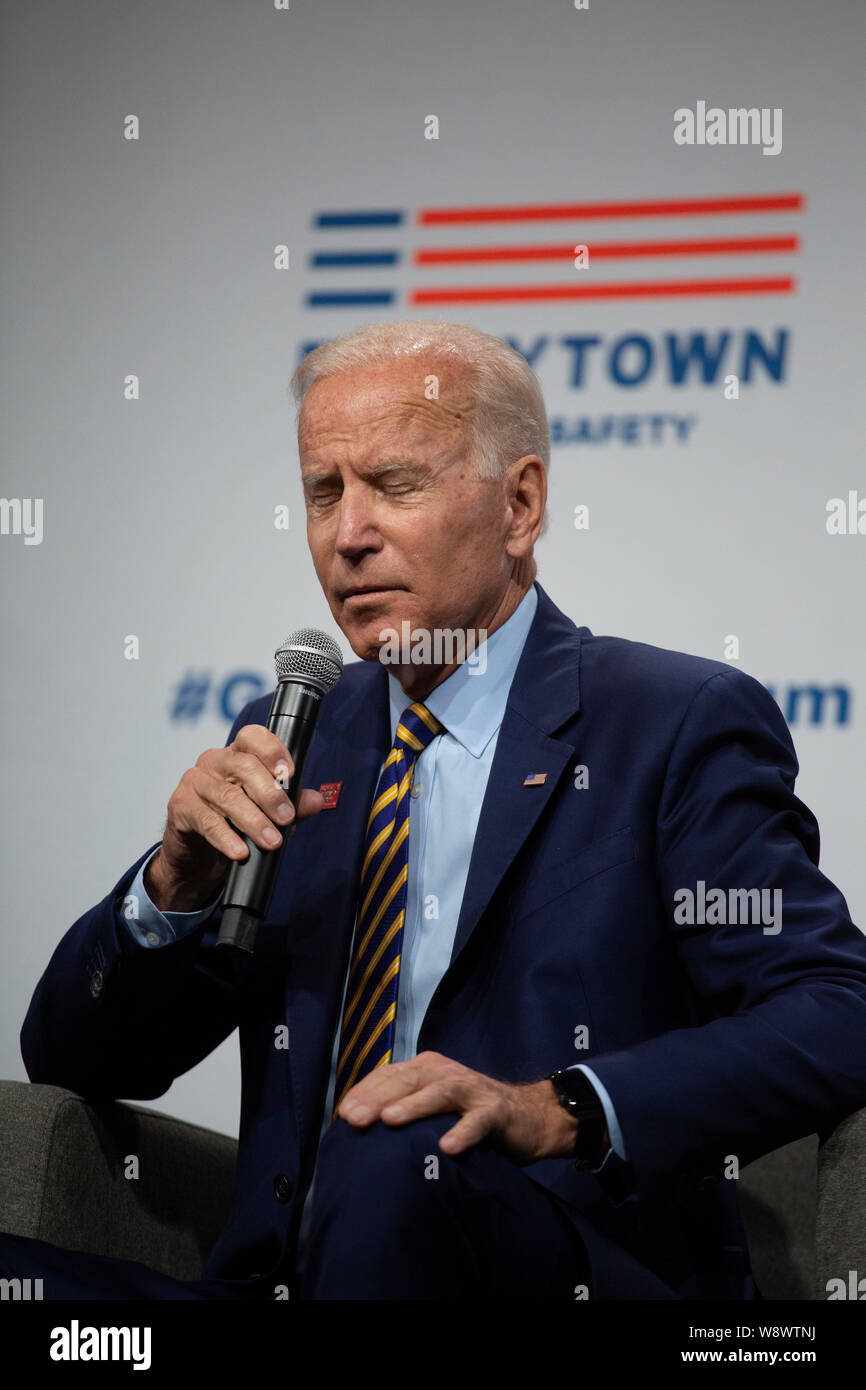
(96, 983)
(282, 1188)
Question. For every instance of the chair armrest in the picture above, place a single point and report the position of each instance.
(777, 1201)
(841, 1219)
(66, 1177)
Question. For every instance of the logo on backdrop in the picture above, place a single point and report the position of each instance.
(645, 252)
(649, 252)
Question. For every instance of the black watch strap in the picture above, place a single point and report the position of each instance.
(579, 1097)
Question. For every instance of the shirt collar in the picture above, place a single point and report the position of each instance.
(471, 702)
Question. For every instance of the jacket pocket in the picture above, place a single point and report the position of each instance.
(549, 881)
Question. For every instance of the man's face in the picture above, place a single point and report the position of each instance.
(394, 507)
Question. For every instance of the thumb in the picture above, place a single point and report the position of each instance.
(309, 804)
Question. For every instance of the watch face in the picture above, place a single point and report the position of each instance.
(577, 1093)
(580, 1098)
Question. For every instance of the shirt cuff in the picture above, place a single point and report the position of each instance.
(613, 1128)
(614, 1173)
(150, 927)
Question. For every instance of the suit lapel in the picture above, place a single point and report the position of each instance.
(544, 695)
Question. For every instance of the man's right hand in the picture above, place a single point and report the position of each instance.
(230, 789)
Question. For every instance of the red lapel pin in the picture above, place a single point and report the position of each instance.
(331, 792)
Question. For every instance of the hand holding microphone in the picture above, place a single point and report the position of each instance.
(223, 810)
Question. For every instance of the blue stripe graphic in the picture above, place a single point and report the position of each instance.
(328, 259)
(368, 299)
(358, 219)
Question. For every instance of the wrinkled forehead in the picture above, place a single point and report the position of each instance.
(431, 399)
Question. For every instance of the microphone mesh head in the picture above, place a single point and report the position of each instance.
(310, 655)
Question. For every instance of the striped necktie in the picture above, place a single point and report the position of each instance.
(367, 1034)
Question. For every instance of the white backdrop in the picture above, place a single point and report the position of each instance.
(156, 257)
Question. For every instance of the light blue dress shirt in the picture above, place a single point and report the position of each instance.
(449, 785)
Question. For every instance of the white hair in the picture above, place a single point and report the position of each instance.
(510, 418)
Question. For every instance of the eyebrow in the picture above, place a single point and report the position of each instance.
(374, 472)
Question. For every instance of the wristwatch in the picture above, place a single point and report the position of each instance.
(579, 1097)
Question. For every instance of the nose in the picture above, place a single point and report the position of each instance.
(356, 530)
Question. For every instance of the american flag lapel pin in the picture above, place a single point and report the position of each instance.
(535, 779)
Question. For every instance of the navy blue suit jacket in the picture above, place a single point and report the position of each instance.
(712, 1040)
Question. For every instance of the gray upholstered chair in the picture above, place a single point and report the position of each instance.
(62, 1178)
(62, 1164)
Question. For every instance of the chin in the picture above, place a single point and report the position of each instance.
(363, 637)
(365, 619)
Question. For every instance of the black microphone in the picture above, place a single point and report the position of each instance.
(309, 664)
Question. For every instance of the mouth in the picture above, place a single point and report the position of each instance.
(367, 591)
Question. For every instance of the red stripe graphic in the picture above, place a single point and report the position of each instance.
(651, 207)
(604, 251)
(504, 294)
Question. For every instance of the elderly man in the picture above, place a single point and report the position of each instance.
(538, 1017)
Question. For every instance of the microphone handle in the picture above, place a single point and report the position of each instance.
(293, 717)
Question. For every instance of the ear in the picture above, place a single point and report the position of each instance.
(527, 498)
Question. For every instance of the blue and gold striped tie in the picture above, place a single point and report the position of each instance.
(367, 1034)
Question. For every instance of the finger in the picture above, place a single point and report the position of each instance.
(430, 1100)
(257, 741)
(458, 1085)
(271, 793)
(364, 1101)
(264, 745)
(470, 1129)
(310, 803)
(221, 797)
(188, 811)
(263, 785)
